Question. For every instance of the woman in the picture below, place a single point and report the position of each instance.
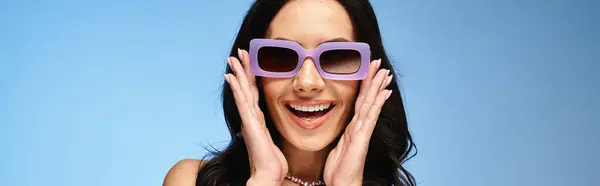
(308, 100)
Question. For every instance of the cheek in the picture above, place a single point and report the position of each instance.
(348, 90)
(272, 89)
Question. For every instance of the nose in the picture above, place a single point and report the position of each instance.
(308, 82)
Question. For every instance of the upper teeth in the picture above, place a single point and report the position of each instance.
(311, 108)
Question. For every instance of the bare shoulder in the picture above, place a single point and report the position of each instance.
(183, 173)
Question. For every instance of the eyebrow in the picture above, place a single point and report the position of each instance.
(339, 39)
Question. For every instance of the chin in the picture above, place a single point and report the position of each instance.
(314, 140)
(312, 144)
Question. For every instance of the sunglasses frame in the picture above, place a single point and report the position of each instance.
(360, 47)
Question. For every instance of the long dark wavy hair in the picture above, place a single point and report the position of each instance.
(391, 143)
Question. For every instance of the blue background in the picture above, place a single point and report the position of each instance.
(115, 92)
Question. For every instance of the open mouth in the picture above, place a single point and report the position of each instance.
(310, 112)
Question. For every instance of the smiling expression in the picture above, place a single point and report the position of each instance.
(308, 110)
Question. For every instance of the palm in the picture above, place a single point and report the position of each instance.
(264, 156)
(261, 149)
(342, 161)
(345, 163)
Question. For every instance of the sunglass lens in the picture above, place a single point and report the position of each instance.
(277, 59)
(340, 61)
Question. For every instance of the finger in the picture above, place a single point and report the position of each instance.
(371, 93)
(364, 84)
(239, 96)
(241, 76)
(386, 82)
(373, 66)
(245, 58)
(250, 129)
(374, 111)
(351, 129)
(254, 138)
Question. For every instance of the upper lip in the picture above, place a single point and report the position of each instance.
(308, 102)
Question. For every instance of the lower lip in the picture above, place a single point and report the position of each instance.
(312, 124)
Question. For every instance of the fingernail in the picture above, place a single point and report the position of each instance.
(239, 53)
(225, 75)
(388, 72)
(379, 63)
(390, 77)
(388, 94)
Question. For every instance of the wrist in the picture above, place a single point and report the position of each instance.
(353, 184)
(345, 183)
(260, 182)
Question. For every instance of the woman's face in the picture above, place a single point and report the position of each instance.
(292, 101)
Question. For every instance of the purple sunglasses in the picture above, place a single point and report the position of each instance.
(334, 60)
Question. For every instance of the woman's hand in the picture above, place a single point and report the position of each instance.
(267, 164)
(345, 163)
